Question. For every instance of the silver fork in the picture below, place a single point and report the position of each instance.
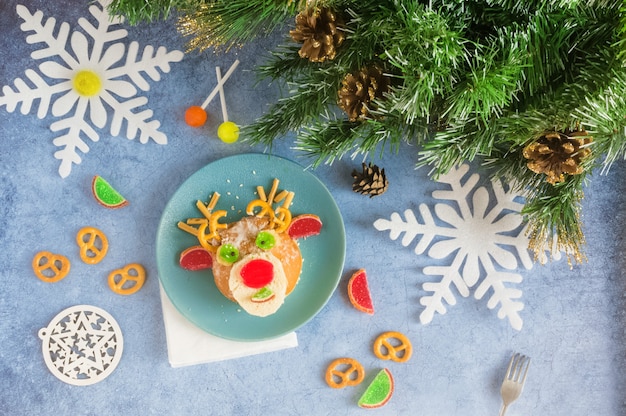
(514, 380)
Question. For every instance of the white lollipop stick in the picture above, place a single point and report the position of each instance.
(220, 83)
(218, 72)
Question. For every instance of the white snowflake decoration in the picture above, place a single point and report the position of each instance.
(86, 78)
(82, 345)
(480, 240)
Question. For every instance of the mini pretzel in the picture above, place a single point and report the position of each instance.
(385, 349)
(93, 245)
(50, 267)
(344, 372)
(134, 274)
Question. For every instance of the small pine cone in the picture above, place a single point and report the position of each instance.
(359, 89)
(556, 154)
(318, 29)
(371, 181)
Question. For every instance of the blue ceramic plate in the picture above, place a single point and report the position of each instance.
(195, 295)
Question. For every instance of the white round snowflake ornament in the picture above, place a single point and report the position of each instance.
(82, 345)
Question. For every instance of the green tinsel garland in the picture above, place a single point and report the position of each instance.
(467, 79)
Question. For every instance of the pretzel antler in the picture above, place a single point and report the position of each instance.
(210, 221)
(280, 218)
(206, 228)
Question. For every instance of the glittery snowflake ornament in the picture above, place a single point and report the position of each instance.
(83, 74)
(482, 243)
(82, 345)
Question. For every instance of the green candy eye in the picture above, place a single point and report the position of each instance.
(228, 253)
(265, 240)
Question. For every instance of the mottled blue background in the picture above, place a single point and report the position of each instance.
(573, 320)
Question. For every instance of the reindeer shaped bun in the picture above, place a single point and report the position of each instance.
(256, 261)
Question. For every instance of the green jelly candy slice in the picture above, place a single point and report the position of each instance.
(105, 194)
(379, 391)
(262, 295)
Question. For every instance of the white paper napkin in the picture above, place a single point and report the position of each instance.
(189, 345)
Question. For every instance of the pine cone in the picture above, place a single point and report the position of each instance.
(359, 89)
(558, 153)
(318, 29)
(371, 181)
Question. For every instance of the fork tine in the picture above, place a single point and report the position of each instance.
(525, 370)
(510, 367)
(520, 368)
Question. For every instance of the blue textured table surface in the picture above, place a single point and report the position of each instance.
(574, 319)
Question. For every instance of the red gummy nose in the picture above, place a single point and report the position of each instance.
(257, 273)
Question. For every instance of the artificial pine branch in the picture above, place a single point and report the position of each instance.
(464, 79)
(553, 215)
(326, 140)
(493, 80)
(423, 48)
(285, 65)
(307, 99)
(606, 119)
(224, 24)
(457, 143)
(212, 23)
(137, 11)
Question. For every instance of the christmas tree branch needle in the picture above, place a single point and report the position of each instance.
(218, 73)
(220, 83)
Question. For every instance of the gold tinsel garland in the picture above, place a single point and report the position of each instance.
(201, 34)
(543, 238)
